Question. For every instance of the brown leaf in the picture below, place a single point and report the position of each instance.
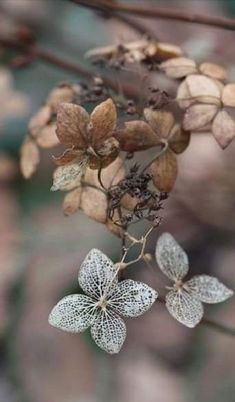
(102, 122)
(39, 120)
(137, 136)
(223, 129)
(68, 156)
(228, 95)
(213, 70)
(47, 137)
(203, 89)
(179, 139)
(178, 67)
(62, 94)
(29, 158)
(197, 116)
(71, 125)
(160, 121)
(164, 171)
(72, 201)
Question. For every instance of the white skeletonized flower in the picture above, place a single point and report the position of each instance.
(102, 303)
(184, 301)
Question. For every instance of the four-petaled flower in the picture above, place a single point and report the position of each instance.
(89, 139)
(102, 303)
(184, 301)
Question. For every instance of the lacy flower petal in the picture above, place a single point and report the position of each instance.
(97, 274)
(74, 313)
(109, 331)
(103, 122)
(171, 258)
(208, 289)
(131, 298)
(184, 307)
(71, 125)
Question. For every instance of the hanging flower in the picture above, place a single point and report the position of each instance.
(184, 301)
(102, 303)
(89, 138)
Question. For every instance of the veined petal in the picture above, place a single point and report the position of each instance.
(131, 298)
(109, 331)
(103, 122)
(73, 313)
(171, 258)
(208, 289)
(71, 125)
(97, 274)
(160, 121)
(184, 307)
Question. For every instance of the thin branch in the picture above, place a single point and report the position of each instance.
(218, 327)
(162, 13)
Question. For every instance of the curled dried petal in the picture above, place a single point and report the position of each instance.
(68, 156)
(103, 122)
(208, 289)
(66, 178)
(184, 307)
(164, 171)
(198, 116)
(213, 70)
(171, 258)
(178, 67)
(167, 51)
(29, 158)
(71, 125)
(137, 136)
(228, 95)
(223, 128)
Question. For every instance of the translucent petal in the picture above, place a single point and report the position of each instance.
(184, 307)
(208, 289)
(97, 274)
(131, 298)
(68, 177)
(109, 331)
(171, 258)
(73, 313)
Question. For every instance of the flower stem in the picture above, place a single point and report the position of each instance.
(224, 329)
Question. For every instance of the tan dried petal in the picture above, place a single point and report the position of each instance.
(94, 203)
(183, 96)
(213, 70)
(160, 121)
(203, 89)
(39, 120)
(71, 125)
(178, 67)
(197, 116)
(179, 139)
(68, 156)
(167, 50)
(59, 95)
(47, 137)
(72, 201)
(164, 171)
(223, 128)
(106, 154)
(137, 136)
(103, 122)
(128, 202)
(228, 95)
(29, 158)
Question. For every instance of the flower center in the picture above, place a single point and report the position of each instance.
(102, 303)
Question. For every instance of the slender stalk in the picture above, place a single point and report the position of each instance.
(218, 327)
(162, 13)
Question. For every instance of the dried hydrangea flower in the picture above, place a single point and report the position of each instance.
(184, 301)
(89, 139)
(104, 300)
(206, 100)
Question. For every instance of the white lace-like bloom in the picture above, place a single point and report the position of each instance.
(105, 299)
(184, 301)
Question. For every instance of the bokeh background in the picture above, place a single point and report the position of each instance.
(41, 250)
